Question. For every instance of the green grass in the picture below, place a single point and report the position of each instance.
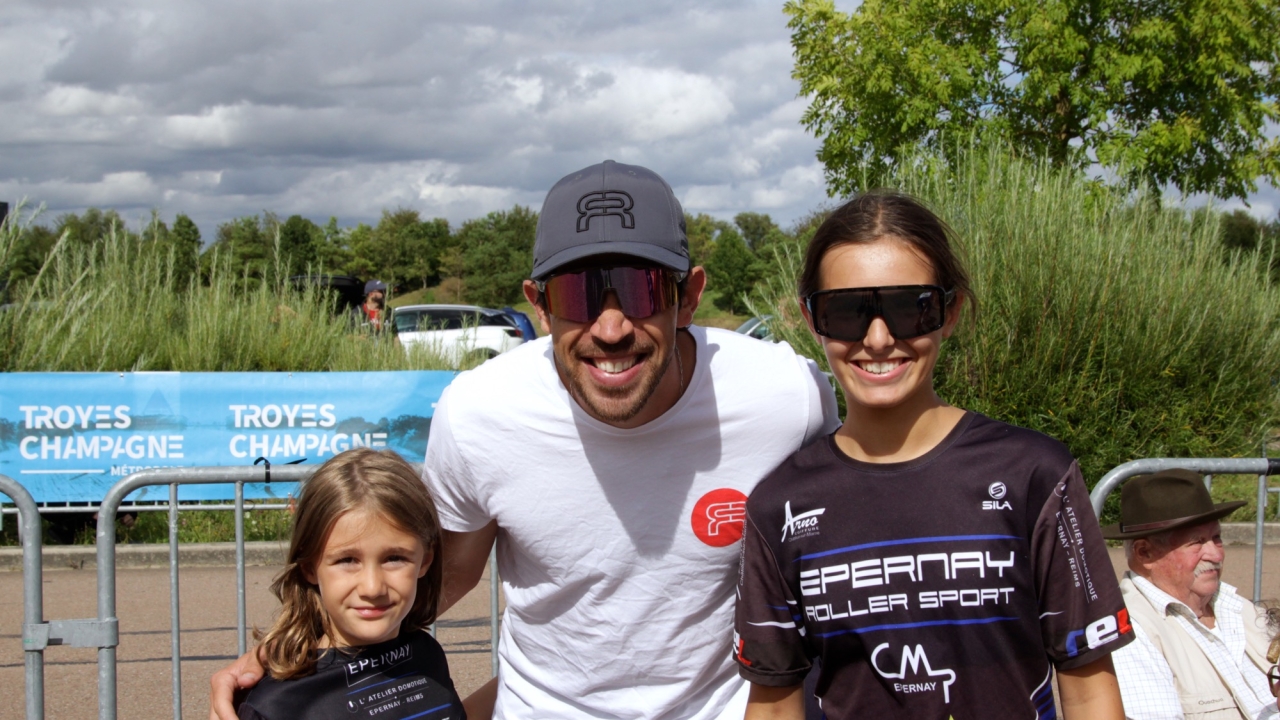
(194, 526)
(1113, 325)
(117, 307)
(421, 296)
(711, 316)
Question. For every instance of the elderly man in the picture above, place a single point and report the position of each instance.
(618, 542)
(1200, 650)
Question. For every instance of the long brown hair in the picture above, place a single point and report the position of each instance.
(375, 481)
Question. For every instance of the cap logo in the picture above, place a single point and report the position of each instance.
(601, 204)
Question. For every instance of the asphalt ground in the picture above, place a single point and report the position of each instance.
(209, 627)
(208, 618)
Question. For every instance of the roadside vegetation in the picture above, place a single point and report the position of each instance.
(127, 302)
(1125, 328)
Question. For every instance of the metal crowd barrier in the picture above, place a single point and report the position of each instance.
(102, 632)
(32, 597)
(1263, 467)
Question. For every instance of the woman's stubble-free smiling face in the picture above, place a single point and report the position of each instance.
(881, 371)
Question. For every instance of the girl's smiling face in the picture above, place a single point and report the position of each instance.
(368, 578)
(881, 371)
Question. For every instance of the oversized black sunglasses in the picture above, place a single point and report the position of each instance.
(908, 310)
(580, 296)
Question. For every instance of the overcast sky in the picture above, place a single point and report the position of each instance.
(228, 108)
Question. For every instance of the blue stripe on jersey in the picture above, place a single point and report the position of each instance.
(427, 712)
(364, 688)
(908, 541)
(907, 626)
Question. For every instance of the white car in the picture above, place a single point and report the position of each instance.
(456, 332)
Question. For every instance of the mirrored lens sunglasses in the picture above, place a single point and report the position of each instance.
(580, 296)
(908, 310)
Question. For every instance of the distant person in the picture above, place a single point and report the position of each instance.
(372, 312)
(1201, 649)
(937, 562)
(610, 462)
(359, 589)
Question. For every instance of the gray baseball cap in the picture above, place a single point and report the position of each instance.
(609, 209)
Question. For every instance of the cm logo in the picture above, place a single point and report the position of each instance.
(717, 517)
(601, 204)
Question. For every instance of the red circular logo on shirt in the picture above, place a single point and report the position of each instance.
(718, 515)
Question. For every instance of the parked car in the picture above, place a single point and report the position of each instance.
(523, 322)
(456, 332)
(347, 291)
(757, 328)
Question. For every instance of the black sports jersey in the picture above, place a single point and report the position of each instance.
(400, 679)
(942, 587)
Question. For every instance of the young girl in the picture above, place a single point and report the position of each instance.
(938, 562)
(359, 590)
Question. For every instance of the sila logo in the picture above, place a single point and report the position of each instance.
(997, 491)
(718, 516)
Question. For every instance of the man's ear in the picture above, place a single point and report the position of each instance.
(694, 284)
(1144, 552)
(532, 295)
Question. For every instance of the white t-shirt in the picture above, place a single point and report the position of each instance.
(618, 549)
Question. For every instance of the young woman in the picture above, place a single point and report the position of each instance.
(357, 594)
(939, 563)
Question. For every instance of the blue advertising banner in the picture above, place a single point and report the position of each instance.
(68, 437)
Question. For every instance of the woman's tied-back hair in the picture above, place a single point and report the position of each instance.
(886, 214)
(361, 479)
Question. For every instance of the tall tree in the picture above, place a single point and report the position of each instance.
(1175, 92)
(91, 228)
(702, 230)
(297, 247)
(732, 271)
(184, 239)
(496, 252)
(409, 247)
(243, 242)
(333, 253)
(758, 229)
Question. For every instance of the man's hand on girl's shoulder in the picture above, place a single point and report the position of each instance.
(229, 685)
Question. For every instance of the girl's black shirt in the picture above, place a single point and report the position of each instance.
(947, 586)
(399, 679)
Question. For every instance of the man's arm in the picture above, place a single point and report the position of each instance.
(465, 556)
(775, 703)
(242, 674)
(1090, 692)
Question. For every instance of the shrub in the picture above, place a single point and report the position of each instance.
(1106, 322)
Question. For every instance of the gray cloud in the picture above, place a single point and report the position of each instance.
(227, 108)
(453, 108)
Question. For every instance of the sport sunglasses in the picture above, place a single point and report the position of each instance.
(579, 296)
(908, 310)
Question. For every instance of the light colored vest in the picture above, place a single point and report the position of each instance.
(1202, 691)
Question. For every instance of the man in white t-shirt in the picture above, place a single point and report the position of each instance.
(611, 462)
